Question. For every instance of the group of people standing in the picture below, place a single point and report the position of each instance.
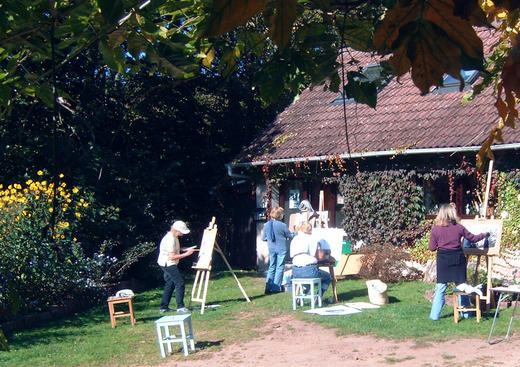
(302, 252)
(446, 236)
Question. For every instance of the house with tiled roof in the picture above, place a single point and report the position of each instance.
(322, 134)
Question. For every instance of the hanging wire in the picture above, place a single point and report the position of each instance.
(343, 47)
(343, 94)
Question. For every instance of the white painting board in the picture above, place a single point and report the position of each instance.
(334, 311)
(489, 246)
(361, 305)
(206, 248)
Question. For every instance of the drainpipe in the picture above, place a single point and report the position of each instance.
(235, 175)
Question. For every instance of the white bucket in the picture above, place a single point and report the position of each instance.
(377, 292)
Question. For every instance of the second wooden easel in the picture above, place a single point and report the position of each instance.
(489, 253)
(203, 266)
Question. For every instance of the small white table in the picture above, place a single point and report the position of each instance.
(163, 325)
(504, 292)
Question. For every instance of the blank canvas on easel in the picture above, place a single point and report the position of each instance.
(206, 248)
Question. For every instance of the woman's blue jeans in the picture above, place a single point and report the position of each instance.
(273, 283)
(438, 301)
(312, 271)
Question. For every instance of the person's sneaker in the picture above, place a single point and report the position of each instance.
(164, 310)
(183, 310)
(328, 301)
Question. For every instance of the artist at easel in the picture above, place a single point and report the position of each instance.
(445, 239)
(170, 253)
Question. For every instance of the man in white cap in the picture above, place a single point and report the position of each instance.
(169, 256)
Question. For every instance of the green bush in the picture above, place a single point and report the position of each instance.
(420, 252)
(508, 208)
(41, 260)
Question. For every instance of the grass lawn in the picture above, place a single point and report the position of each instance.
(87, 339)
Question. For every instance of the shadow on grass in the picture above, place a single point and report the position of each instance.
(393, 300)
(204, 345)
(216, 275)
(152, 318)
(229, 300)
(353, 293)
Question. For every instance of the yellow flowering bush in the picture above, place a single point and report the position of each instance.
(40, 257)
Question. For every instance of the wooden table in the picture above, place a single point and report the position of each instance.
(513, 291)
(330, 264)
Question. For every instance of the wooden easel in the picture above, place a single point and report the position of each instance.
(489, 255)
(203, 266)
(489, 268)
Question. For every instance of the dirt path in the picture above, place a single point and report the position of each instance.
(297, 343)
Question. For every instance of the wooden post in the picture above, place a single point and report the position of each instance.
(489, 258)
(488, 186)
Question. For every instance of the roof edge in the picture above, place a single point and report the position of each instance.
(381, 153)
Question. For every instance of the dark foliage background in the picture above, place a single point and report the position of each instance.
(148, 148)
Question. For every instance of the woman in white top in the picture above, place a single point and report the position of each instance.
(304, 264)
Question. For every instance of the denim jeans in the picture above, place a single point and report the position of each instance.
(464, 300)
(312, 271)
(438, 301)
(173, 280)
(273, 283)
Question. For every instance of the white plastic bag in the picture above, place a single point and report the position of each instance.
(125, 293)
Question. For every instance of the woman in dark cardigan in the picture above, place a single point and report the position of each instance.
(445, 238)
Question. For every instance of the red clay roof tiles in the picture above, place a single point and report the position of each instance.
(313, 126)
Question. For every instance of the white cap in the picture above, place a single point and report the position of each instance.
(180, 226)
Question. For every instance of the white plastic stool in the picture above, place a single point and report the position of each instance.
(298, 291)
(163, 325)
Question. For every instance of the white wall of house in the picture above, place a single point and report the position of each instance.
(262, 251)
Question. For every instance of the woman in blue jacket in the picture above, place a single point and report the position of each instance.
(276, 233)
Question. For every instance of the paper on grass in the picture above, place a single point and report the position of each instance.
(211, 306)
(361, 305)
(334, 310)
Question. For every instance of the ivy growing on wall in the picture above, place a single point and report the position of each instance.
(383, 207)
(508, 208)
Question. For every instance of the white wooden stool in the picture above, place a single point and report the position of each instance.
(163, 325)
(298, 291)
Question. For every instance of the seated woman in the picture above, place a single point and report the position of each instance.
(302, 251)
